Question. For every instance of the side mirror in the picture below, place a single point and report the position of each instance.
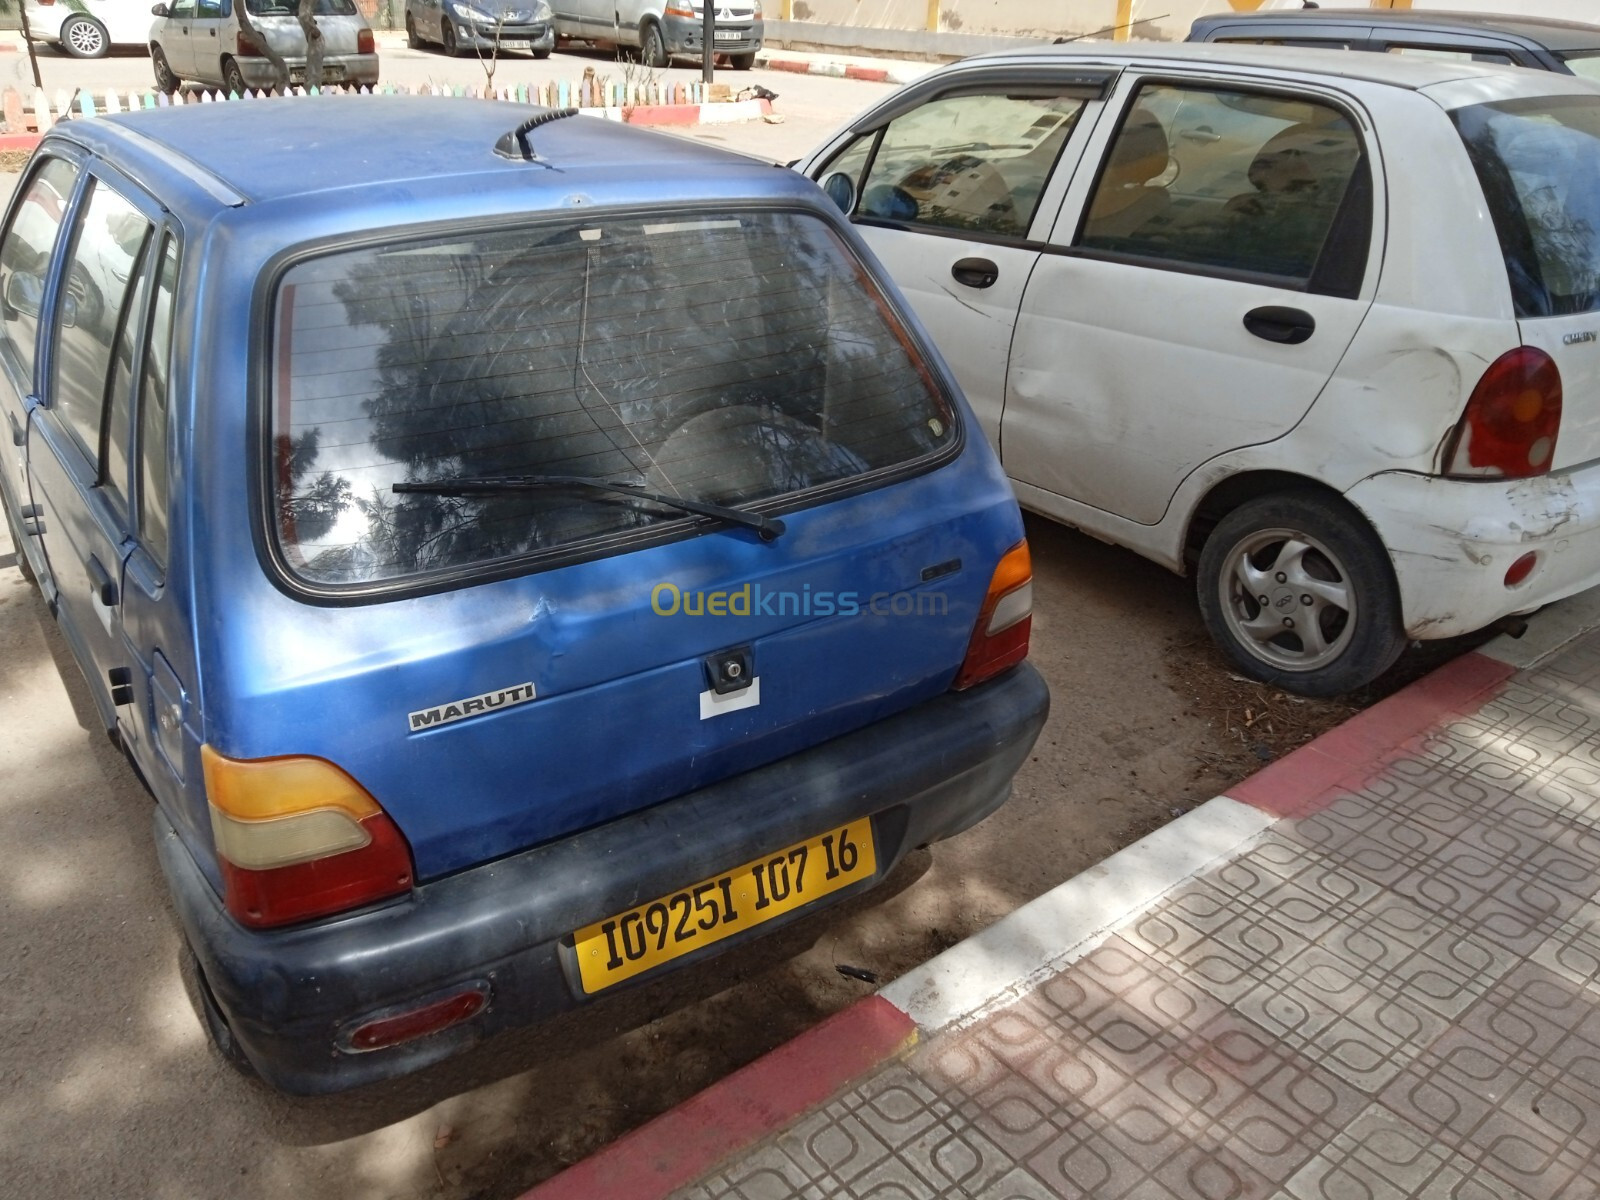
(24, 293)
(158, 10)
(841, 190)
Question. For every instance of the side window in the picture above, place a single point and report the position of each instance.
(1454, 55)
(182, 10)
(1307, 43)
(118, 439)
(25, 259)
(99, 271)
(1236, 181)
(971, 162)
(210, 10)
(155, 404)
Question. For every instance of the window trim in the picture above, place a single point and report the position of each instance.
(1358, 124)
(165, 233)
(982, 236)
(259, 448)
(27, 382)
(93, 456)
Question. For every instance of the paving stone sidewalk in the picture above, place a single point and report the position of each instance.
(1396, 994)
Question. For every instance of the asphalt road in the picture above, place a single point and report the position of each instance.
(109, 1087)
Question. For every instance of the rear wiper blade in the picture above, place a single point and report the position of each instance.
(500, 485)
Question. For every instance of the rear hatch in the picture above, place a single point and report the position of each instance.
(509, 667)
(340, 22)
(1539, 161)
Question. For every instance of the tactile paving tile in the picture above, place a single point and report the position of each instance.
(1514, 1088)
(1353, 975)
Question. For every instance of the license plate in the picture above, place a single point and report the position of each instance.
(728, 35)
(645, 937)
(516, 44)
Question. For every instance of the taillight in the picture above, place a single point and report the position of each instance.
(247, 46)
(298, 838)
(365, 43)
(1000, 638)
(1511, 422)
(408, 1024)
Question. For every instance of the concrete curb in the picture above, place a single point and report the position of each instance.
(841, 70)
(1006, 960)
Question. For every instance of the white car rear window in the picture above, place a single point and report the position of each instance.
(1539, 162)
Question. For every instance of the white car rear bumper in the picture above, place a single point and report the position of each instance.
(1452, 542)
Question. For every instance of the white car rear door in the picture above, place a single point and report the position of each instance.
(1210, 267)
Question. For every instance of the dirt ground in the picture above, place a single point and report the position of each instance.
(107, 1083)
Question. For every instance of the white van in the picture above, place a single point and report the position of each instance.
(660, 29)
(89, 28)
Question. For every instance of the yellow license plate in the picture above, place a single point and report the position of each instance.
(630, 943)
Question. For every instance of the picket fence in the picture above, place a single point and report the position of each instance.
(21, 116)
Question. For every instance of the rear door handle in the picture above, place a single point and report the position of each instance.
(1286, 326)
(104, 587)
(975, 272)
(17, 436)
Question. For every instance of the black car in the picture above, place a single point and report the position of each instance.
(1570, 47)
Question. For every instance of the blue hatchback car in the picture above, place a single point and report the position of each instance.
(519, 561)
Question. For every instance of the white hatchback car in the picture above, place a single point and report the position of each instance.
(89, 28)
(1322, 328)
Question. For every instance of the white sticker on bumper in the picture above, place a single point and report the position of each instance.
(713, 705)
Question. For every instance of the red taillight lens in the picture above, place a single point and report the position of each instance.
(247, 47)
(418, 1022)
(1522, 568)
(297, 838)
(365, 43)
(1000, 638)
(1511, 423)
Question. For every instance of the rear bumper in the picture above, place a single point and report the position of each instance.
(921, 776)
(1452, 542)
(360, 69)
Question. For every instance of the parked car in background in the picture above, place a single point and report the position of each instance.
(659, 30)
(1321, 328)
(89, 28)
(202, 41)
(505, 601)
(1542, 43)
(486, 26)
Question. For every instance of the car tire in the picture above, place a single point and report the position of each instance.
(216, 1023)
(166, 81)
(742, 62)
(1284, 564)
(652, 46)
(447, 39)
(84, 37)
(233, 78)
(541, 54)
(413, 42)
(17, 535)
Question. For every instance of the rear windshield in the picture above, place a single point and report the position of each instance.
(289, 8)
(1539, 162)
(730, 357)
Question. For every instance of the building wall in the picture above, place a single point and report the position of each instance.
(1167, 19)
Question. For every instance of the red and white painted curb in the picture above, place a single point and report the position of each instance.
(888, 73)
(1043, 937)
